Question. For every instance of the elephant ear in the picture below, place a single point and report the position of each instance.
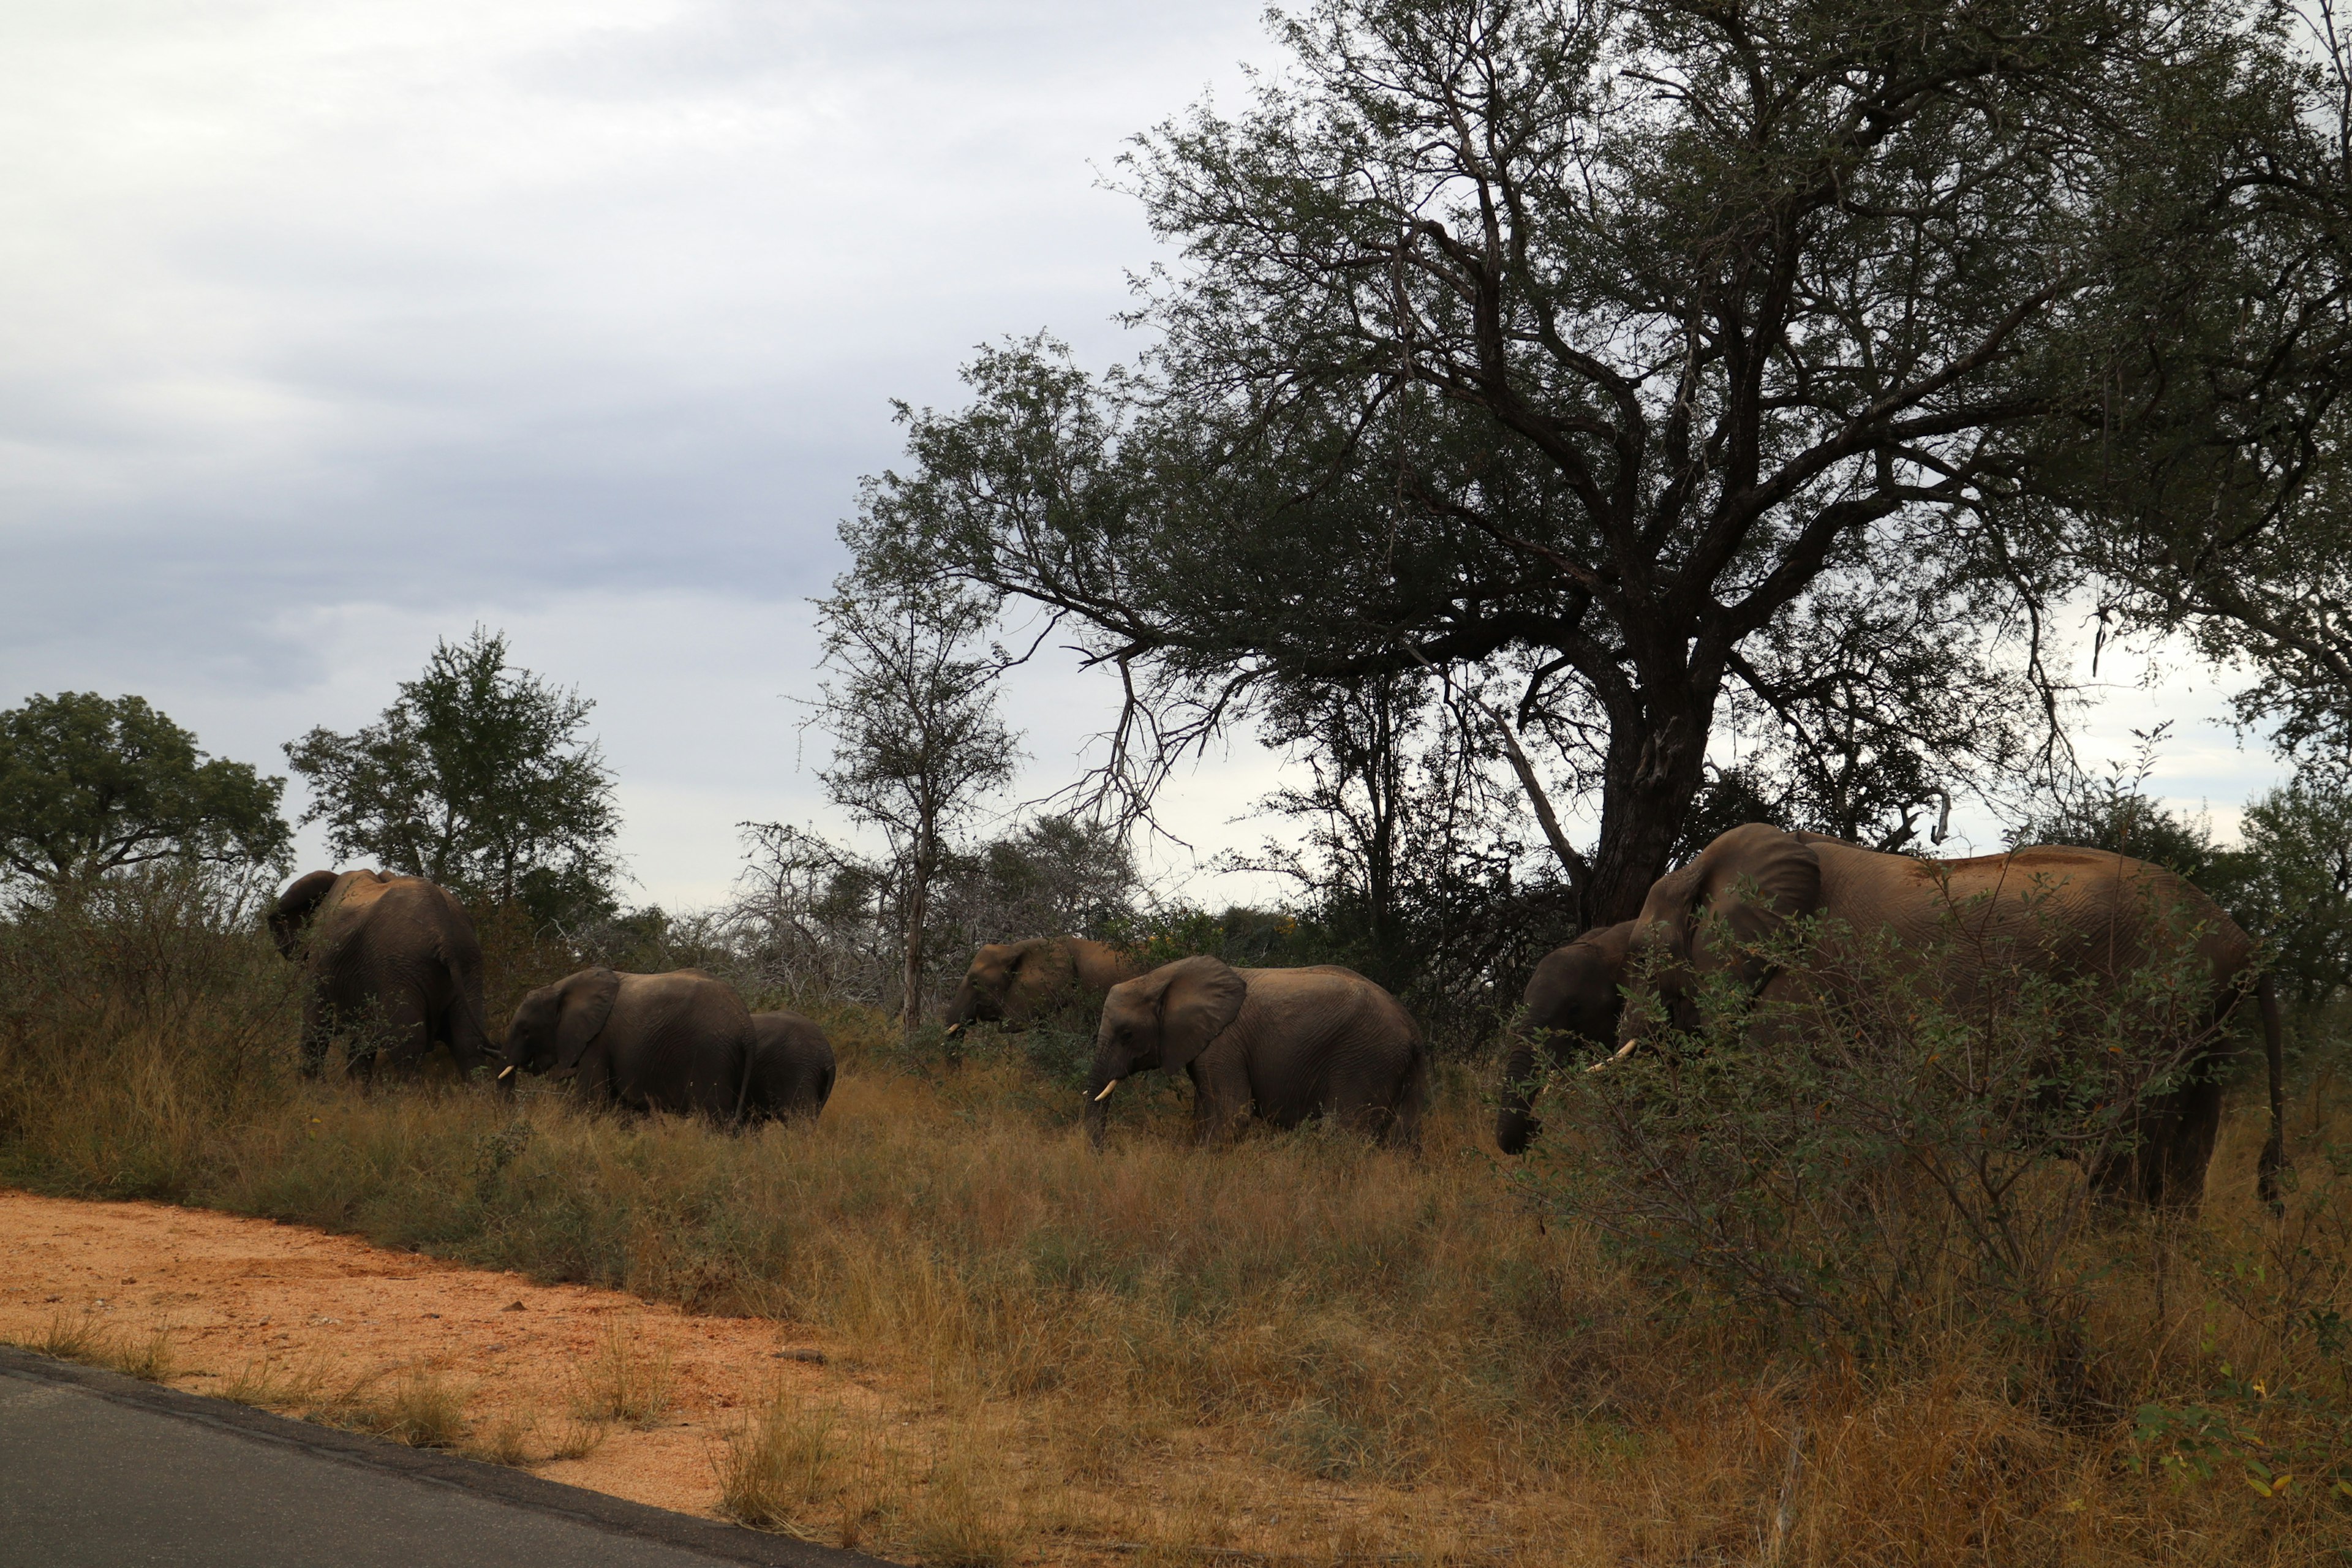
(1199, 997)
(588, 999)
(294, 907)
(1753, 880)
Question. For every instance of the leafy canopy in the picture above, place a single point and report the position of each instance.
(477, 777)
(1663, 366)
(90, 785)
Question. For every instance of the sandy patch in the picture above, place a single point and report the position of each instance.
(244, 1297)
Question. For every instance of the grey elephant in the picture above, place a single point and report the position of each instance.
(1285, 1044)
(791, 1067)
(680, 1041)
(2072, 912)
(1568, 1010)
(1021, 982)
(390, 963)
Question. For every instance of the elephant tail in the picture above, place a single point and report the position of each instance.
(743, 1084)
(2274, 1162)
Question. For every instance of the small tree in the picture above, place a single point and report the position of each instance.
(90, 786)
(912, 714)
(477, 777)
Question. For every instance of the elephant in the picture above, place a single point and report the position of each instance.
(391, 957)
(1285, 1043)
(1020, 982)
(2072, 912)
(680, 1041)
(1573, 996)
(791, 1067)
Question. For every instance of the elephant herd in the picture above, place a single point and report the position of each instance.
(392, 965)
(1288, 1045)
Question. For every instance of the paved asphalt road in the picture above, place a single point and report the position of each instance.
(96, 1469)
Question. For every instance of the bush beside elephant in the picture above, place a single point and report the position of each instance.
(392, 963)
(2078, 911)
(680, 1041)
(1285, 1044)
(1021, 982)
(791, 1069)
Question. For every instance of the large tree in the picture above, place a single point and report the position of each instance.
(911, 709)
(90, 785)
(478, 777)
(1652, 365)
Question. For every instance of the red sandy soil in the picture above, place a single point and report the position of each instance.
(235, 1295)
(289, 1318)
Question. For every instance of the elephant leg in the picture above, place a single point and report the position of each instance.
(317, 1033)
(1221, 1102)
(2175, 1165)
(1516, 1122)
(1401, 1128)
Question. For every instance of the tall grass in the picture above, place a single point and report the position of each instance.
(1216, 1333)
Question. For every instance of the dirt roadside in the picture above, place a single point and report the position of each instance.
(283, 1307)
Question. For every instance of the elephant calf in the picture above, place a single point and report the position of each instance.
(791, 1067)
(1285, 1043)
(680, 1041)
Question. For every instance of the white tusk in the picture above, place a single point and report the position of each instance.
(1106, 1093)
(505, 1072)
(953, 1029)
(1627, 1049)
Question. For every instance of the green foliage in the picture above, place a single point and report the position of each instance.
(476, 777)
(90, 786)
(912, 715)
(1669, 366)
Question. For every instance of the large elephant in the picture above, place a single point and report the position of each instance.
(1020, 981)
(1285, 1043)
(679, 1041)
(2068, 911)
(791, 1067)
(390, 963)
(1569, 1007)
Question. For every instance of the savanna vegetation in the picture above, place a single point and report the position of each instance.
(1158, 1346)
(1573, 430)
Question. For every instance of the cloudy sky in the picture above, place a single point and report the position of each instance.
(333, 329)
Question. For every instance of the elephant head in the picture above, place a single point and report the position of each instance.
(1706, 919)
(994, 970)
(553, 1027)
(290, 918)
(1570, 1004)
(1014, 981)
(1164, 1019)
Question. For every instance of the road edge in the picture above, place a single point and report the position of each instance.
(516, 1487)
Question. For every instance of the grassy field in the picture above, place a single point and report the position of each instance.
(1157, 1346)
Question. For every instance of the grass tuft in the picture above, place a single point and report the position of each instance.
(625, 1383)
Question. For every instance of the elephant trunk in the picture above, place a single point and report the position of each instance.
(1516, 1124)
(962, 1008)
(1099, 1085)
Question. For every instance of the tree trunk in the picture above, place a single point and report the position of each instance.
(919, 899)
(1657, 760)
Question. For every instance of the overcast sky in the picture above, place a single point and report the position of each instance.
(332, 329)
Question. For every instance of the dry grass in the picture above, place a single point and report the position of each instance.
(1300, 1348)
(86, 1337)
(625, 1383)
